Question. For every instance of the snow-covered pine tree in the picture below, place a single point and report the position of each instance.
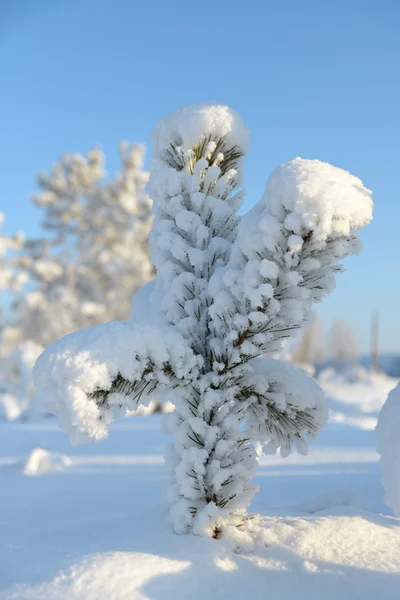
(9, 279)
(228, 290)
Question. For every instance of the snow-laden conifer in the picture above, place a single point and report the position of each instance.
(228, 290)
(9, 279)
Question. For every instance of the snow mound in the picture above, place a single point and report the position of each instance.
(10, 408)
(352, 556)
(114, 576)
(388, 446)
(42, 461)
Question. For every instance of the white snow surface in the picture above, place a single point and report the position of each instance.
(98, 530)
(356, 396)
(388, 446)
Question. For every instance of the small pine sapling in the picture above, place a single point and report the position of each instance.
(228, 290)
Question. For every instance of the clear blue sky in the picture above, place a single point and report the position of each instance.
(317, 79)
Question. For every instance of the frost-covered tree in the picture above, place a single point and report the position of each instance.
(309, 348)
(92, 257)
(16, 387)
(15, 366)
(228, 290)
(343, 343)
(388, 446)
(95, 253)
(9, 278)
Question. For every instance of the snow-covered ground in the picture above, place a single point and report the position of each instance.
(89, 523)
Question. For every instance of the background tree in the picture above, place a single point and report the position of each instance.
(343, 343)
(228, 290)
(309, 349)
(9, 278)
(92, 257)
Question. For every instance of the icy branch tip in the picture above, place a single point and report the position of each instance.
(319, 197)
(187, 126)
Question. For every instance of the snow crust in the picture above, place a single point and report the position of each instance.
(97, 529)
(340, 556)
(388, 446)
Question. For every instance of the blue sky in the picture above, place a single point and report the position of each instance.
(317, 79)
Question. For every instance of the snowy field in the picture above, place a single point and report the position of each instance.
(95, 526)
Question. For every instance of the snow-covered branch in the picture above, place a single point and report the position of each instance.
(287, 252)
(284, 406)
(89, 377)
